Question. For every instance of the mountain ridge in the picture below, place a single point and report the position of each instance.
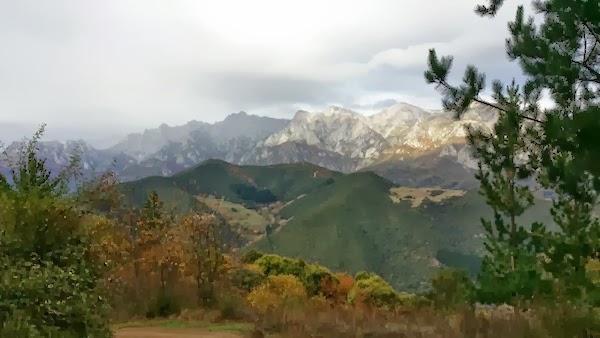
(400, 136)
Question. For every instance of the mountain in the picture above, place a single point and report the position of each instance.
(348, 222)
(162, 151)
(297, 152)
(58, 155)
(333, 131)
(243, 184)
(197, 141)
(450, 166)
(395, 122)
(404, 143)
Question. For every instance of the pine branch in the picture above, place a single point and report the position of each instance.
(588, 68)
(487, 103)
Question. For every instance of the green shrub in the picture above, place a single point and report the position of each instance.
(250, 256)
(311, 275)
(374, 290)
(19, 326)
(48, 280)
(231, 306)
(164, 305)
(278, 265)
(314, 276)
(246, 279)
(52, 298)
(451, 288)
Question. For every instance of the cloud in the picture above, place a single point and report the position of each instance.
(129, 64)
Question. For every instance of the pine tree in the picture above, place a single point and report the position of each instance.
(559, 54)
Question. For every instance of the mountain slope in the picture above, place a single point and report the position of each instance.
(244, 184)
(335, 130)
(447, 167)
(218, 139)
(395, 121)
(348, 222)
(354, 225)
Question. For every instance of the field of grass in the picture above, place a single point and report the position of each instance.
(418, 195)
(187, 324)
(249, 223)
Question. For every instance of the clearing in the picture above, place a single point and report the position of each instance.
(418, 195)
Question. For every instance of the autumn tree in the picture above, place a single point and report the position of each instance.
(202, 235)
(157, 251)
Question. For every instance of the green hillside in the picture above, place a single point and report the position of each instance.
(345, 222)
(353, 225)
(175, 198)
(240, 184)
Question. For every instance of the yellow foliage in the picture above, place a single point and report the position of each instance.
(110, 244)
(593, 270)
(277, 292)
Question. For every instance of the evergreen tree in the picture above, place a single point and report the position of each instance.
(560, 54)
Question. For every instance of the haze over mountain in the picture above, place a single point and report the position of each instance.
(404, 143)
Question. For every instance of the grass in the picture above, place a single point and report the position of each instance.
(419, 195)
(240, 327)
(236, 213)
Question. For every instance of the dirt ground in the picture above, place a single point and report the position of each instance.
(154, 332)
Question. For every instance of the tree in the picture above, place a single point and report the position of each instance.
(48, 276)
(451, 288)
(157, 250)
(559, 54)
(202, 238)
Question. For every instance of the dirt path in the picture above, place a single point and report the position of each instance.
(155, 332)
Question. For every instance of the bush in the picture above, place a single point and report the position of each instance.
(52, 298)
(19, 326)
(373, 290)
(246, 278)
(451, 288)
(251, 256)
(231, 306)
(280, 291)
(312, 276)
(48, 279)
(164, 305)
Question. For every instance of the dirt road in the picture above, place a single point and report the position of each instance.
(154, 332)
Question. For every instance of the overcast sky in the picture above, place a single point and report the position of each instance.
(99, 69)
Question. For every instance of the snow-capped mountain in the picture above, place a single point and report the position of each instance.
(399, 132)
(335, 130)
(394, 122)
(403, 142)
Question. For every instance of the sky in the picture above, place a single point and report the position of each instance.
(100, 69)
